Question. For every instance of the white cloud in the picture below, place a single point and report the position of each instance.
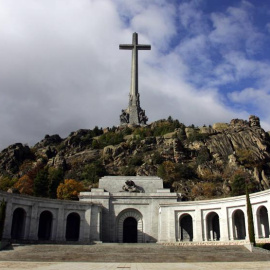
(234, 29)
(61, 68)
(157, 23)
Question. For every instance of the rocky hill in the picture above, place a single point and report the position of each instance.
(197, 162)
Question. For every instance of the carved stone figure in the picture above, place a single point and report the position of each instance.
(130, 186)
(124, 117)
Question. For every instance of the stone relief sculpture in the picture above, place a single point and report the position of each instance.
(130, 186)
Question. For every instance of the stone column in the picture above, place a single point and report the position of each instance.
(204, 229)
(197, 229)
(61, 222)
(34, 223)
(224, 225)
(27, 225)
(163, 225)
(8, 220)
(54, 227)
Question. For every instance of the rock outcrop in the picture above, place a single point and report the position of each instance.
(210, 152)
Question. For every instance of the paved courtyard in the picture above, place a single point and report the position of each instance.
(131, 257)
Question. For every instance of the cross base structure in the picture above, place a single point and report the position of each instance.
(134, 114)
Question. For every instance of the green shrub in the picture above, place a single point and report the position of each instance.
(93, 172)
(198, 137)
(135, 161)
(109, 138)
(157, 158)
(203, 156)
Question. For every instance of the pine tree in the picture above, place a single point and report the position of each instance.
(41, 183)
(250, 219)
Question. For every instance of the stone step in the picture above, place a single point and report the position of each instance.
(154, 253)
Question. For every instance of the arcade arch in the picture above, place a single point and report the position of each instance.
(239, 227)
(45, 225)
(212, 227)
(186, 228)
(18, 223)
(263, 222)
(73, 227)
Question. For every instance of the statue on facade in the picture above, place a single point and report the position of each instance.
(130, 186)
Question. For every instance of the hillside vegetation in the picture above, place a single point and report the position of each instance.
(197, 162)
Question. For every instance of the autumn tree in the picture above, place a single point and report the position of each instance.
(69, 190)
(204, 189)
(25, 185)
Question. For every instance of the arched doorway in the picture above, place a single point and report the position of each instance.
(73, 227)
(212, 225)
(130, 226)
(18, 224)
(130, 234)
(186, 228)
(239, 227)
(263, 222)
(45, 225)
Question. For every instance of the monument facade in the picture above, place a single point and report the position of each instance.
(135, 210)
(134, 114)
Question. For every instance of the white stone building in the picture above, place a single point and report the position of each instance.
(139, 211)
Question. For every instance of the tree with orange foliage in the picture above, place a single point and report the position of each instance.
(69, 190)
(25, 185)
(204, 190)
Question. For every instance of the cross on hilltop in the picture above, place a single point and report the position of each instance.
(134, 113)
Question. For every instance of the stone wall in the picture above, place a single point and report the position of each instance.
(215, 220)
(31, 218)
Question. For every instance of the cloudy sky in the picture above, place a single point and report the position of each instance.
(61, 68)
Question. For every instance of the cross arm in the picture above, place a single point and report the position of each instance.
(126, 46)
(143, 47)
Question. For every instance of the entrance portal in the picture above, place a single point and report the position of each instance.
(130, 230)
(130, 226)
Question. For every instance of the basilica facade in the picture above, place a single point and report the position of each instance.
(133, 210)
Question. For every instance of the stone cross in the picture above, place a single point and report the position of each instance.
(134, 114)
